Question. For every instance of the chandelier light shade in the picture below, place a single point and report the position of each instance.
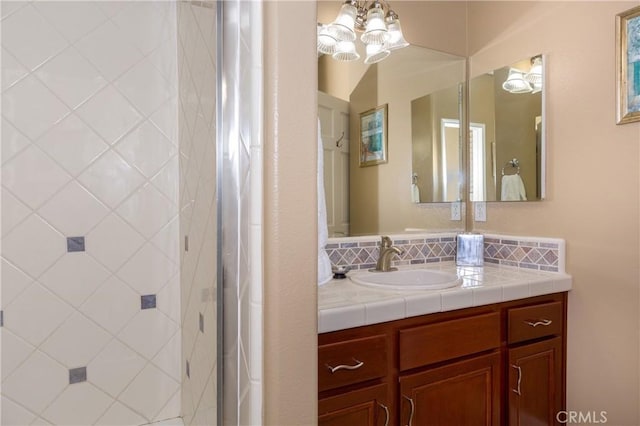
(379, 25)
(519, 81)
(376, 53)
(346, 51)
(326, 42)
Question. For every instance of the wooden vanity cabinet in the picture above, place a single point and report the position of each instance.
(501, 364)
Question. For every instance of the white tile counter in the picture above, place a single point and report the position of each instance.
(343, 304)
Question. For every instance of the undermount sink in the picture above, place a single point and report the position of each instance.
(407, 279)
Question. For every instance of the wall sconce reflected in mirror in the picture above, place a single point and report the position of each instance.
(525, 82)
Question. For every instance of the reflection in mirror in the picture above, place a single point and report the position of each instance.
(378, 199)
(506, 134)
(436, 154)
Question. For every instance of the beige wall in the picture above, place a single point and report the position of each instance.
(593, 186)
(290, 223)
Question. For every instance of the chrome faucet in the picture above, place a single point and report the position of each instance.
(387, 250)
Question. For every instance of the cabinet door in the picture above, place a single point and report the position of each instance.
(535, 383)
(362, 407)
(460, 393)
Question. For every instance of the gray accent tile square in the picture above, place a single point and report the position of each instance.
(201, 322)
(148, 301)
(75, 244)
(77, 375)
(1, 318)
(188, 370)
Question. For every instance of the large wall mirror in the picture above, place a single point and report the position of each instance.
(421, 91)
(506, 137)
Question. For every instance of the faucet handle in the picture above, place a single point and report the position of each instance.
(385, 242)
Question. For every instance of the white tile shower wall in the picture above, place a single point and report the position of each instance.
(197, 143)
(90, 260)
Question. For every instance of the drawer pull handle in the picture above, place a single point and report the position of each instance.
(413, 407)
(545, 322)
(386, 413)
(517, 367)
(345, 367)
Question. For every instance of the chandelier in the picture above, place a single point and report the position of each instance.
(379, 25)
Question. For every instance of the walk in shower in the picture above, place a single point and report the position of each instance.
(128, 150)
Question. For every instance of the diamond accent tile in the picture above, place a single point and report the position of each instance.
(33, 246)
(12, 141)
(33, 177)
(112, 305)
(121, 118)
(31, 107)
(148, 270)
(26, 384)
(72, 144)
(113, 241)
(148, 332)
(77, 375)
(73, 19)
(71, 77)
(146, 148)
(145, 87)
(149, 403)
(73, 211)
(115, 367)
(80, 404)
(75, 244)
(148, 210)
(111, 179)
(30, 38)
(75, 277)
(13, 211)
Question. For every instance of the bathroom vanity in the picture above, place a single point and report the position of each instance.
(488, 352)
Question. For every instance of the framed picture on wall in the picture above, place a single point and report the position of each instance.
(373, 136)
(628, 65)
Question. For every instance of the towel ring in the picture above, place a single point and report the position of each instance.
(512, 163)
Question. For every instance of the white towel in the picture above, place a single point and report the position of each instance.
(324, 263)
(415, 193)
(513, 188)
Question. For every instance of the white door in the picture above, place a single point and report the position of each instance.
(334, 124)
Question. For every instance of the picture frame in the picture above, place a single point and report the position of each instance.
(373, 136)
(628, 66)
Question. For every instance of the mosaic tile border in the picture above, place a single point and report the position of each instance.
(537, 253)
(542, 254)
(362, 252)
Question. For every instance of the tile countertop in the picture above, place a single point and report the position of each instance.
(343, 304)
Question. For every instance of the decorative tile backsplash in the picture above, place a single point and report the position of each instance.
(544, 254)
(362, 252)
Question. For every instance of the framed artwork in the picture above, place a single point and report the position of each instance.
(373, 136)
(628, 66)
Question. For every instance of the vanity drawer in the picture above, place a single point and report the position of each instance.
(450, 339)
(533, 322)
(352, 361)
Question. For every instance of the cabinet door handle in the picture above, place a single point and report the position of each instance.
(517, 367)
(345, 367)
(413, 407)
(544, 322)
(386, 413)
